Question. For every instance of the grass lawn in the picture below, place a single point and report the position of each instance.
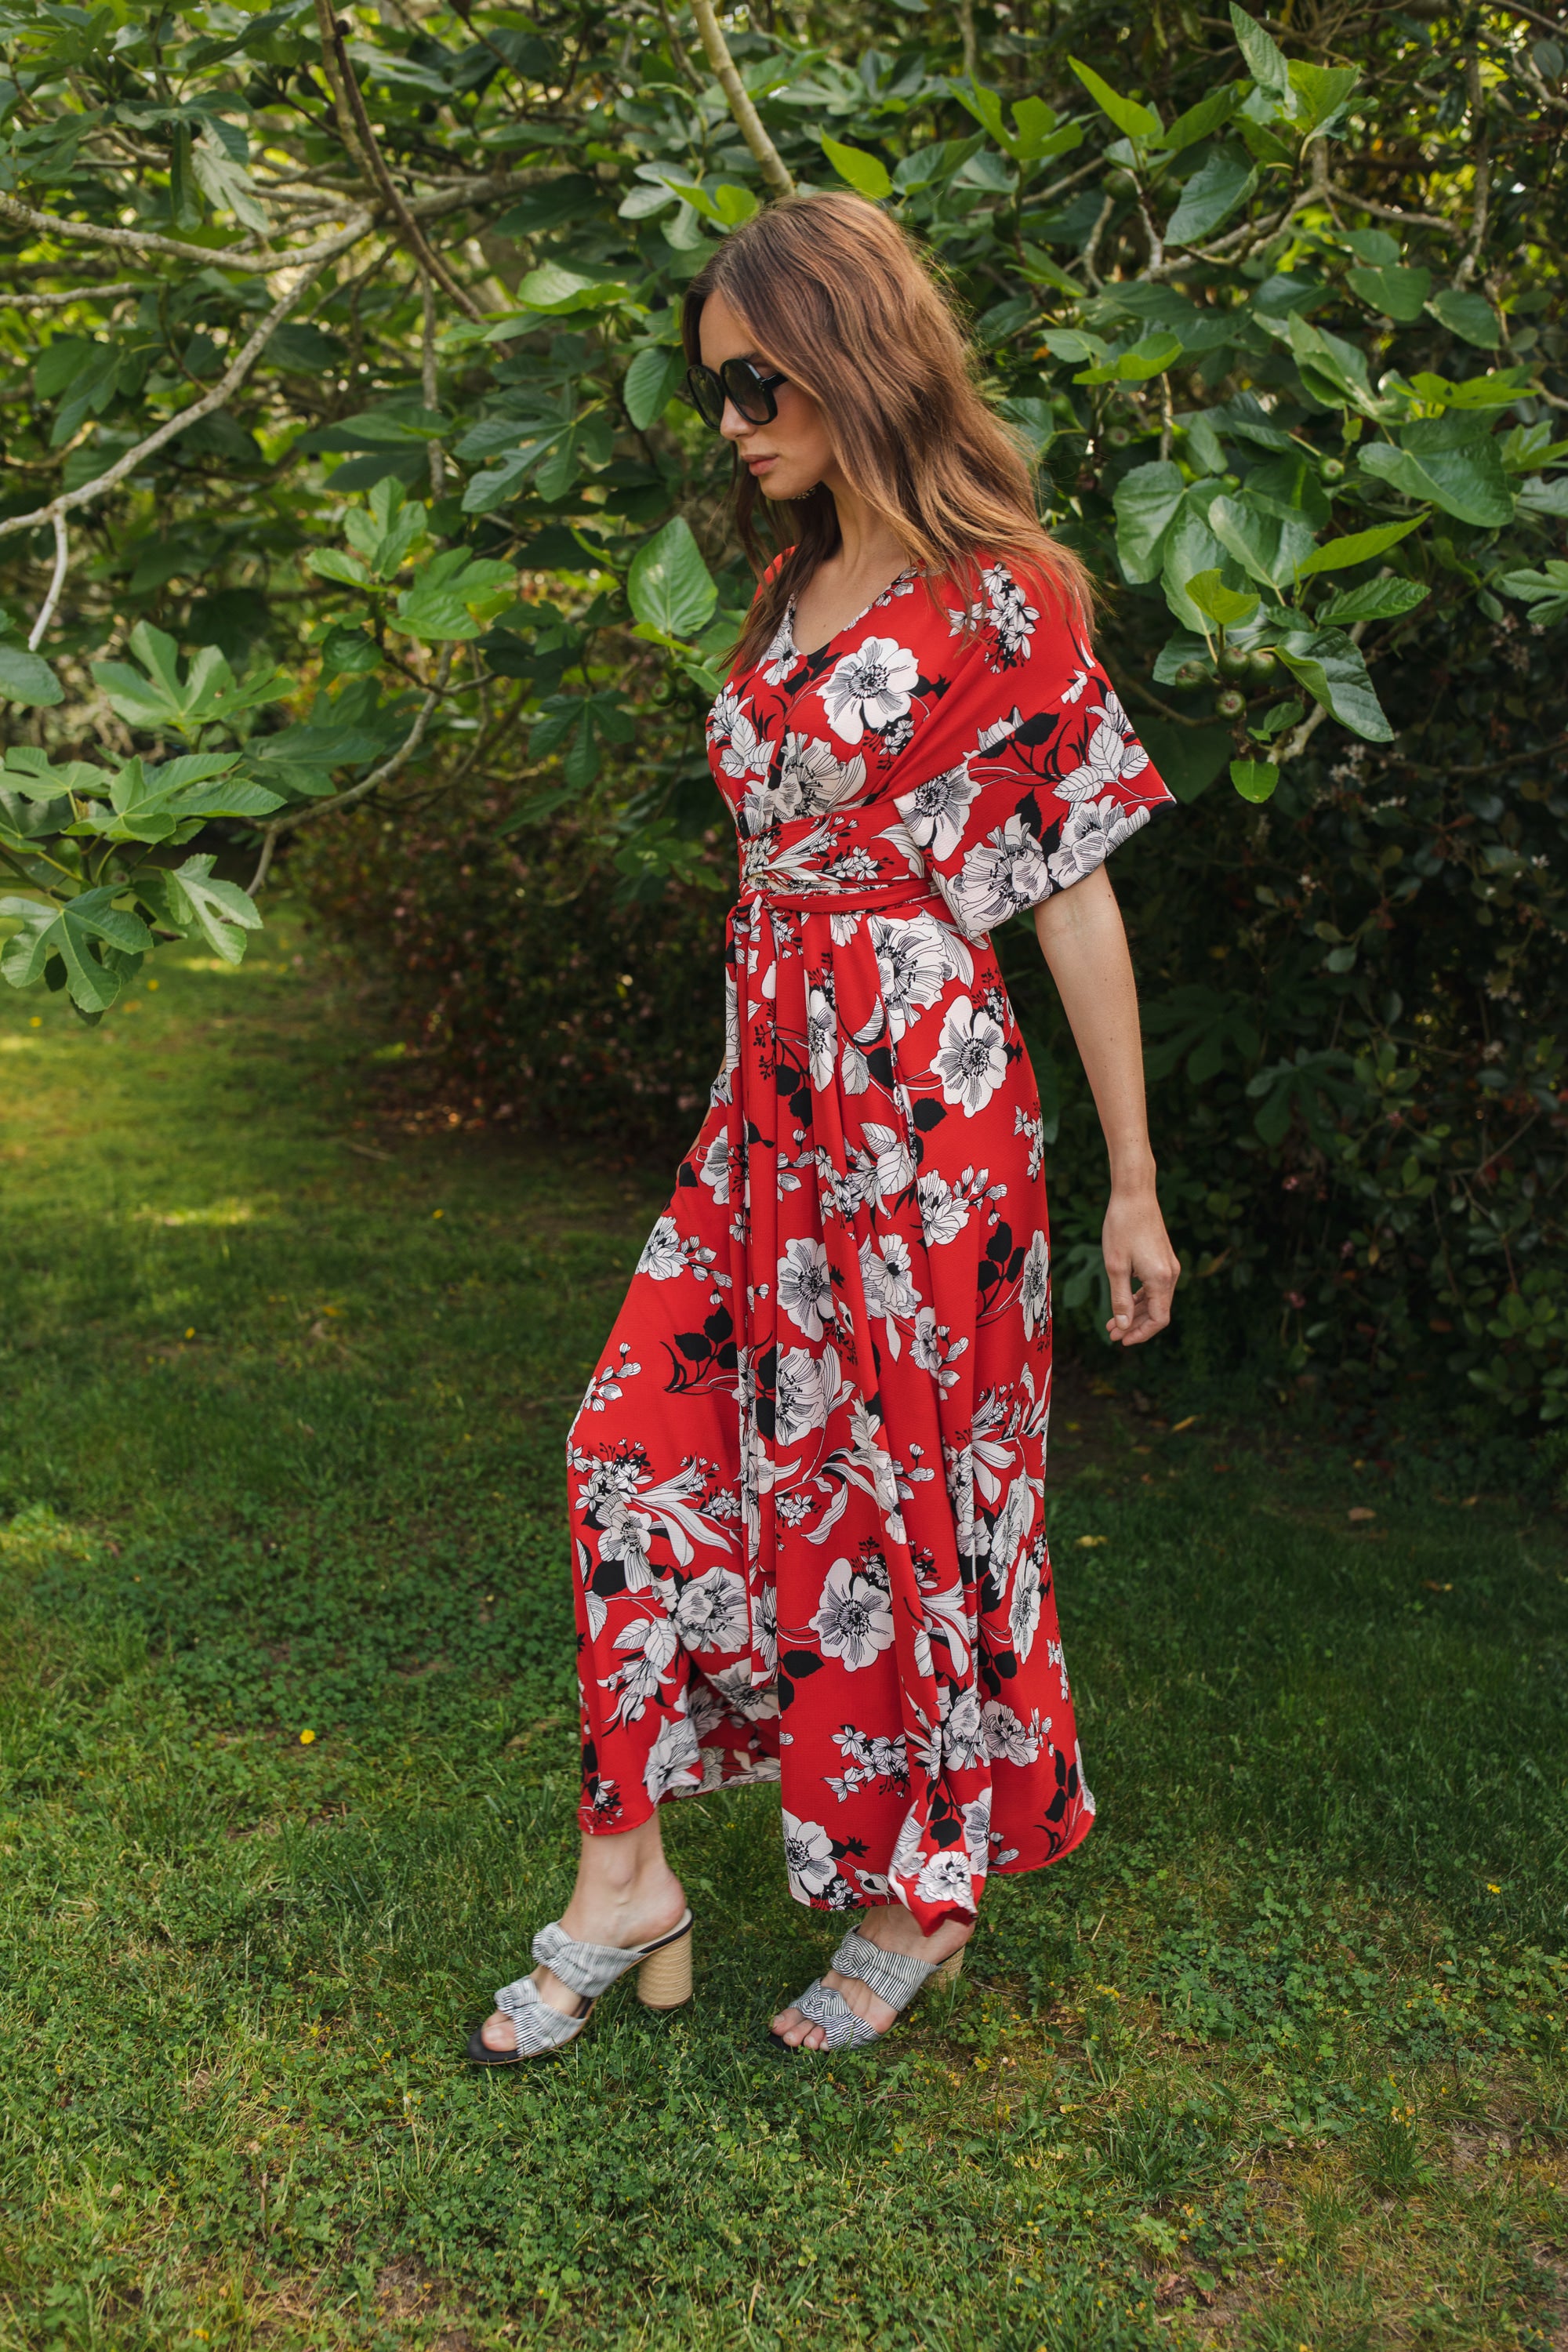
(287, 1780)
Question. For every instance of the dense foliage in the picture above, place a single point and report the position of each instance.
(343, 453)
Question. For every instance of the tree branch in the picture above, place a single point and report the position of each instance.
(424, 252)
(770, 162)
(389, 768)
(136, 240)
(80, 294)
(47, 609)
(226, 384)
(1388, 212)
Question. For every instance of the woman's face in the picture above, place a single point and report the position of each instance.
(793, 452)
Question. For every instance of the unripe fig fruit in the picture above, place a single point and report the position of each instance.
(1334, 469)
(1231, 704)
(1261, 664)
(1233, 661)
(1192, 674)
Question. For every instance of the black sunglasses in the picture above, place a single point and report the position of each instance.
(737, 381)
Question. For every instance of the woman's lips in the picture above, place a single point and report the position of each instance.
(759, 465)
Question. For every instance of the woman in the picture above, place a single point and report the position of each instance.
(807, 1479)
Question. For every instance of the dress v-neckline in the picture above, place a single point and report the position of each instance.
(908, 572)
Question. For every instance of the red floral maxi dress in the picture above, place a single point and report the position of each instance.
(808, 1480)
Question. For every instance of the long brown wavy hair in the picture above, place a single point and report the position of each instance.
(840, 299)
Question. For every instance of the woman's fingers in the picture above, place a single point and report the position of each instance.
(1119, 1270)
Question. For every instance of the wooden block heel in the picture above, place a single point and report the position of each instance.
(664, 1979)
(946, 1972)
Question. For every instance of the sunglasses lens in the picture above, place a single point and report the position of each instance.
(706, 394)
(750, 394)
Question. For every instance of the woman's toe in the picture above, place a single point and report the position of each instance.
(497, 2031)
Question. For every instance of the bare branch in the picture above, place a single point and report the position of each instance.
(770, 162)
(81, 294)
(1389, 212)
(47, 609)
(1480, 198)
(388, 770)
(226, 384)
(245, 255)
(424, 252)
(428, 387)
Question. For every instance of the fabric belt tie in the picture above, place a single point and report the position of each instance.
(872, 901)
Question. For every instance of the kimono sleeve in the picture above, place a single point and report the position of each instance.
(1053, 778)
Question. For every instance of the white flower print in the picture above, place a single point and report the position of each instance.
(747, 753)
(710, 1613)
(782, 657)
(971, 1061)
(977, 1832)
(1114, 752)
(886, 1269)
(944, 1212)
(1035, 1296)
(1000, 876)
(945, 1878)
(805, 1392)
(651, 1646)
(806, 1288)
(675, 1759)
(962, 1737)
(1085, 1797)
(821, 1038)
(626, 1540)
(722, 715)
(1011, 1529)
(1031, 1123)
(869, 688)
(1008, 1740)
(894, 1171)
(1075, 686)
(715, 1170)
(1090, 833)
(662, 1255)
(854, 1621)
(1024, 1614)
(812, 778)
(808, 1856)
(916, 958)
(937, 811)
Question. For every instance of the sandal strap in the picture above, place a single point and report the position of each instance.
(838, 2021)
(591, 1969)
(537, 2026)
(893, 1976)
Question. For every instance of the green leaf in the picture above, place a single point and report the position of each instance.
(1468, 316)
(1330, 666)
(1211, 194)
(153, 805)
(1357, 547)
(1498, 389)
(1399, 294)
(1147, 501)
(1199, 121)
(1333, 371)
(1322, 92)
(1267, 546)
(29, 772)
(1545, 591)
(1255, 780)
(72, 933)
(1466, 480)
(226, 184)
(161, 701)
(555, 290)
(1218, 602)
(189, 900)
(28, 678)
(1150, 355)
(1373, 600)
(1265, 62)
(669, 586)
(1188, 758)
(650, 382)
(1137, 122)
(868, 174)
(333, 563)
(455, 597)
(1191, 548)
(1072, 343)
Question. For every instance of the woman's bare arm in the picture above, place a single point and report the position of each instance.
(1085, 946)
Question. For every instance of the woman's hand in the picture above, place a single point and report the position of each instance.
(1137, 1245)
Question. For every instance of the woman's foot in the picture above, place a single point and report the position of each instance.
(891, 1929)
(624, 1898)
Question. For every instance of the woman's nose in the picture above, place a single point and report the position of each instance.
(733, 424)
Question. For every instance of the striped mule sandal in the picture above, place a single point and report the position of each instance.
(891, 1976)
(664, 1981)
